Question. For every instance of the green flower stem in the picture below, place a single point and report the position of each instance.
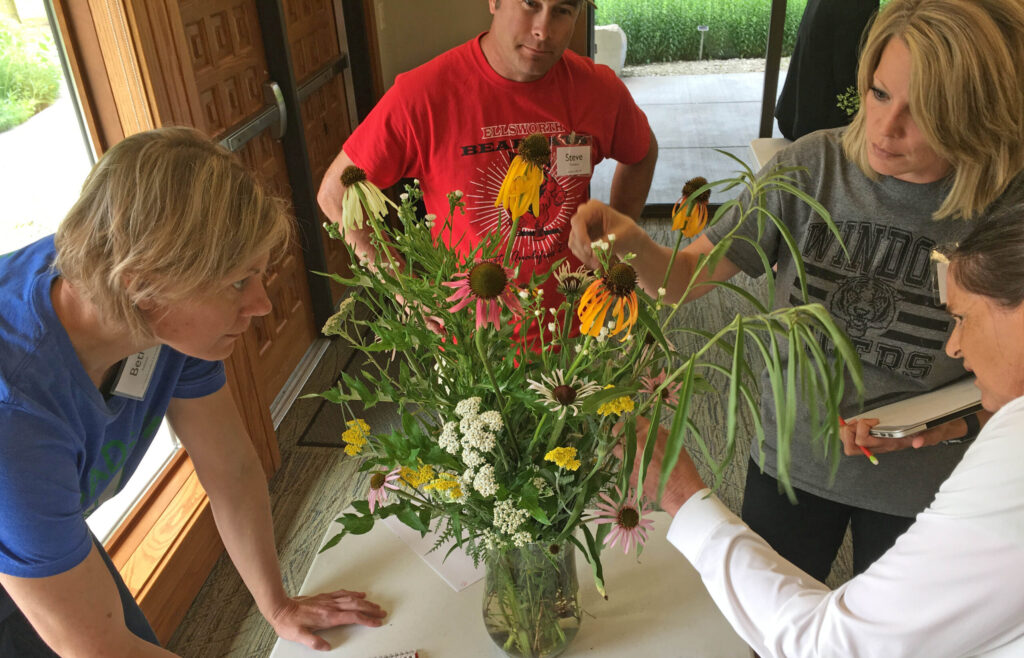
(502, 403)
(579, 357)
(671, 262)
(511, 241)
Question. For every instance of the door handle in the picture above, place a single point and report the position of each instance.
(272, 94)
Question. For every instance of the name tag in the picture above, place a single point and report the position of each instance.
(572, 161)
(133, 382)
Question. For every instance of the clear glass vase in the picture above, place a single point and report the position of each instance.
(531, 605)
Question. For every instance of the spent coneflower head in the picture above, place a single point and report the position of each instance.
(627, 519)
(571, 283)
(520, 190)
(361, 195)
(488, 284)
(561, 395)
(691, 217)
(669, 394)
(380, 484)
(615, 291)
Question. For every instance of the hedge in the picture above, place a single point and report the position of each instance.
(666, 30)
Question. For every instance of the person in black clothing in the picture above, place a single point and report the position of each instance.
(823, 66)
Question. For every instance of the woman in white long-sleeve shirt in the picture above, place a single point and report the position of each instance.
(953, 585)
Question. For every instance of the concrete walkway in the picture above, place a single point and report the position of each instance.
(692, 115)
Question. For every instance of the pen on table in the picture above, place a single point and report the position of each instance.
(867, 453)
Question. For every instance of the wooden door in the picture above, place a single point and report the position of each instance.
(221, 52)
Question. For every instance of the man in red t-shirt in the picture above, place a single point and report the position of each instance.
(455, 123)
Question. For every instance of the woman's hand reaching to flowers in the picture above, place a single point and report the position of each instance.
(595, 221)
(301, 616)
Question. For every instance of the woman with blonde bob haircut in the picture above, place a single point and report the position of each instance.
(938, 138)
(162, 216)
(966, 92)
(122, 318)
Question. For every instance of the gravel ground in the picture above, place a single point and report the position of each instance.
(703, 67)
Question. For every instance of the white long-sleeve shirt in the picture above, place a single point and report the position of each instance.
(953, 585)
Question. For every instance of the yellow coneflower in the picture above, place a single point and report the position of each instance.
(615, 291)
(360, 195)
(520, 191)
(691, 219)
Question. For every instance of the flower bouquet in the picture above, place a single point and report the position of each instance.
(507, 445)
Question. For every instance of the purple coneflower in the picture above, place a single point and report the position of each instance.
(488, 284)
(627, 519)
(379, 485)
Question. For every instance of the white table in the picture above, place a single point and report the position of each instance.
(765, 147)
(656, 608)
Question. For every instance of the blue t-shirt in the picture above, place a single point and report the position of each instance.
(64, 448)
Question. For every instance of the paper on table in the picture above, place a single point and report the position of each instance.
(457, 570)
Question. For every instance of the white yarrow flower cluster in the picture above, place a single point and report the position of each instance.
(449, 439)
(473, 458)
(522, 538)
(467, 407)
(508, 517)
(491, 540)
(484, 481)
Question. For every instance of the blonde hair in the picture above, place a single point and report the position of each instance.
(966, 91)
(164, 215)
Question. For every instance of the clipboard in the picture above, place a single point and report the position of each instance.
(913, 415)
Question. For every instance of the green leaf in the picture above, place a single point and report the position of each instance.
(593, 555)
(409, 517)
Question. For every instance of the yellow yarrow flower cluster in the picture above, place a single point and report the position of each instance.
(618, 406)
(419, 476)
(564, 457)
(448, 483)
(355, 436)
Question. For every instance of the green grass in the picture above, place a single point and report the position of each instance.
(29, 72)
(666, 30)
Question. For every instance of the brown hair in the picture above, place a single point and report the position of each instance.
(990, 260)
(162, 216)
(966, 91)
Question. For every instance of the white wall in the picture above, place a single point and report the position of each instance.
(412, 32)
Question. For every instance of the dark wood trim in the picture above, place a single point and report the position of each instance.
(364, 54)
(772, 59)
(296, 154)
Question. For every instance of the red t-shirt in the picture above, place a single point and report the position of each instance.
(454, 124)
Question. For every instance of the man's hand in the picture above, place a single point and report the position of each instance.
(683, 482)
(300, 618)
(858, 433)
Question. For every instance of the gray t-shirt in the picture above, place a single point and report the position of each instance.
(882, 297)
